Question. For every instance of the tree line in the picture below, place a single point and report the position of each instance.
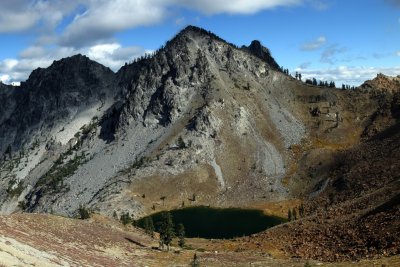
(315, 82)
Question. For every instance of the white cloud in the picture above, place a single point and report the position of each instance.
(22, 15)
(114, 55)
(398, 53)
(98, 20)
(5, 78)
(103, 18)
(33, 51)
(211, 7)
(9, 64)
(348, 75)
(13, 22)
(314, 45)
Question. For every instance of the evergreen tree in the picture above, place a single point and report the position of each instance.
(180, 143)
(181, 235)
(166, 229)
(83, 213)
(126, 218)
(294, 214)
(149, 226)
(314, 82)
(8, 151)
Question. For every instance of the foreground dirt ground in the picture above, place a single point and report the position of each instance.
(48, 240)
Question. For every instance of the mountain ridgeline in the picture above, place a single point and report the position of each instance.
(201, 122)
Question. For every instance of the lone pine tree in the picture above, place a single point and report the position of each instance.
(166, 229)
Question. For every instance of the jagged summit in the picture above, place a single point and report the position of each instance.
(257, 49)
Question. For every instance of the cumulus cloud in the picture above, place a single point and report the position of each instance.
(348, 75)
(113, 55)
(314, 45)
(212, 7)
(95, 21)
(17, 15)
(103, 18)
(22, 15)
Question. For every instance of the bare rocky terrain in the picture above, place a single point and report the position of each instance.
(204, 117)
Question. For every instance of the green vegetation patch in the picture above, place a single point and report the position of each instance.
(55, 176)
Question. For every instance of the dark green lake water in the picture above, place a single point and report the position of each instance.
(218, 223)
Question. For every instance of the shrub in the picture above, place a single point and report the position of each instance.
(181, 235)
(84, 213)
(126, 218)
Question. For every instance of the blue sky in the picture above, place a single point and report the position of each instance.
(345, 41)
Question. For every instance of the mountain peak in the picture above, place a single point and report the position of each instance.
(69, 68)
(260, 51)
(194, 30)
(255, 48)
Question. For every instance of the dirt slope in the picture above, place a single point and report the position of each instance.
(48, 240)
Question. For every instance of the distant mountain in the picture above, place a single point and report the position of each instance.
(200, 117)
(57, 93)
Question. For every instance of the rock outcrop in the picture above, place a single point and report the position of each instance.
(263, 53)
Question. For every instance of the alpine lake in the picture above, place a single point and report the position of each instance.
(217, 223)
